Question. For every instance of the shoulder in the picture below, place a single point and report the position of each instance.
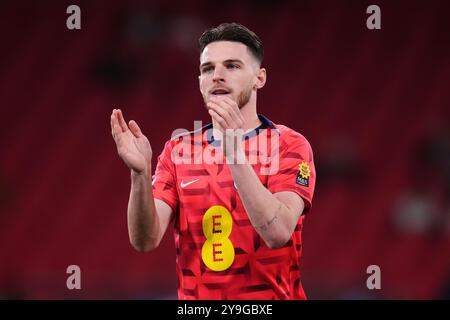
(291, 138)
(293, 144)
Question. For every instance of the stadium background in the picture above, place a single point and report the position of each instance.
(373, 104)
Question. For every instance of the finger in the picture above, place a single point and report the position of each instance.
(231, 108)
(217, 120)
(112, 126)
(117, 135)
(135, 130)
(234, 107)
(234, 119)
(223, 113)
(115, 128)
(121, 119)
(111, 119)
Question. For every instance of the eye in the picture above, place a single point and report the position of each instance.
(207, 69)
(232, 66)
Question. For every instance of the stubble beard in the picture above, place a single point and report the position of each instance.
(242, 99)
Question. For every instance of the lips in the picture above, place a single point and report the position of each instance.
(219, 91)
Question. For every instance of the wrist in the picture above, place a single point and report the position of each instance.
(146, 173)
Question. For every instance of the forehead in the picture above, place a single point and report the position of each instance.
(224, 50)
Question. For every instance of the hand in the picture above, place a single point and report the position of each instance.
(227, 118)
(132, 146)
(225, 113)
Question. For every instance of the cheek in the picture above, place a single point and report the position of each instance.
(247, 82)
(202, 84)
(239, 81)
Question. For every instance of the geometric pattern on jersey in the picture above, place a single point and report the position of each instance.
(191, 189)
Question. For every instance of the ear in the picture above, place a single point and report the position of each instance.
(260, 78)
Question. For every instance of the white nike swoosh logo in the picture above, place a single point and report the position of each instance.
(183, 185)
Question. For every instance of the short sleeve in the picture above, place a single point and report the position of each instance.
(296, 171)
(164, 180)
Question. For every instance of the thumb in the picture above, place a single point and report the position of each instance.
(135, 129)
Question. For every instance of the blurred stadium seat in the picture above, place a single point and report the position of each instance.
(65, 191)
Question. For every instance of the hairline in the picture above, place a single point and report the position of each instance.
(254, 57)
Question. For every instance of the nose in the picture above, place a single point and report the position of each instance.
(218, 75)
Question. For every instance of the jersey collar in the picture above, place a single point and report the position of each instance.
(265, 124)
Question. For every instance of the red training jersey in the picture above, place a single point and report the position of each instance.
(219, 254)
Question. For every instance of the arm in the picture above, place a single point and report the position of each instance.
(274, 216)
(147, 219)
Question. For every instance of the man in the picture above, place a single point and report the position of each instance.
(237, 222)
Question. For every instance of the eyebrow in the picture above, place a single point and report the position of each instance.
(226, 61)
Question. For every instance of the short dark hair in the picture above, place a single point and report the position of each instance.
(233, 32)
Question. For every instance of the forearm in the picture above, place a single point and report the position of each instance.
(268, 215)
(143, 224)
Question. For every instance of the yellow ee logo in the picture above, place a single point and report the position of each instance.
(217, 251)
